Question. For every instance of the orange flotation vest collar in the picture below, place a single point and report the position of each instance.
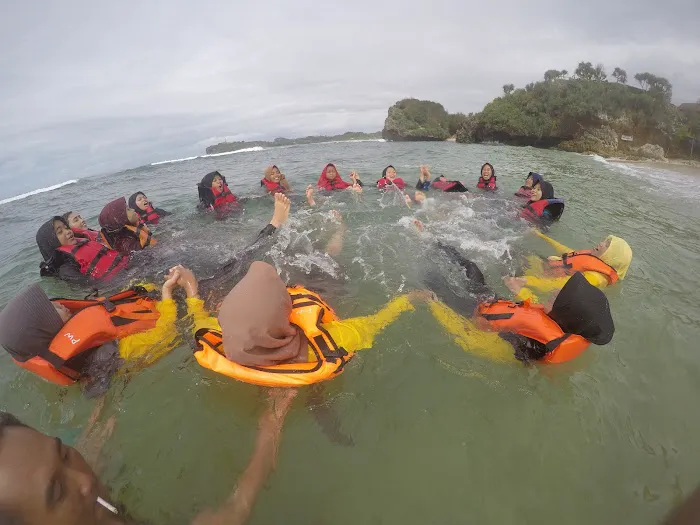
(582, 261)
(529, 320)
(95, 259)
(309, 312)
(141, 231)
(94, 323)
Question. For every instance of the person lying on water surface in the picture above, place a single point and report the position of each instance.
(45, 481)
(526, 189)
(122, 229)
(542, 208)
(487, 178)
(331, 180)
(128, 328)
(144, 207)
(603, 266)
(439, 183)
(76, 256)
(214, 193)
(80, 226)
(559, 331)
(274, 181)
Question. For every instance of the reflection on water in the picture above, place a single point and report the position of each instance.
(437, 434)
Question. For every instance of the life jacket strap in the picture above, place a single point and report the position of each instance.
(551, 345)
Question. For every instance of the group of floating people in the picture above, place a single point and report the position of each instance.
(246, 323)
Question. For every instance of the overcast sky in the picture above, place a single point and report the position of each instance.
(87, 86)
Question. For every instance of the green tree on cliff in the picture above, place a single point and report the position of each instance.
(620, 75)
(508, 89)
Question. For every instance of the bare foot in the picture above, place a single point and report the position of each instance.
(357, 188)
(419, 196)
(310, 195)
(281, 213)
(419, 225)
(407, 198)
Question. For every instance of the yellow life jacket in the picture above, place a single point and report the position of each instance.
(309, 312)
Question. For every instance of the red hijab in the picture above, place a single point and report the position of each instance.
(335, 184)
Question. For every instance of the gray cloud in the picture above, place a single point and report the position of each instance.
(88, 87)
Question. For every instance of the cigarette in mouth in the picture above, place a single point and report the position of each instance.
(106, 505)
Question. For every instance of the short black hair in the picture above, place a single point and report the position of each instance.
(7, 420)
(67, 215)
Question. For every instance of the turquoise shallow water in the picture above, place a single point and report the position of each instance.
(439, 435)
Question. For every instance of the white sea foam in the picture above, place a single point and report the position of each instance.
(173, 161)
(40, 190)
(598, 158)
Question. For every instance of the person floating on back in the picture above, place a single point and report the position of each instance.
(390, 180)
(69, 341)
(606, 264)
(525, 190)
(144, 207)
(573, 318)
(487, 179)
(331, 180)
(74, 256)
(80, 227)
(542, 208)
(274, 181)
(273, 335)
(122, 229)
(214, 193)
(438, 183)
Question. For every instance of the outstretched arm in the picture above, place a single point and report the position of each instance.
(237, 508)
(558, 247)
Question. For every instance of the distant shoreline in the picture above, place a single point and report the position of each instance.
(227, 147)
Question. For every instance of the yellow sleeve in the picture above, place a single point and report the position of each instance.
(147, 347)
(525, 293)
(548, 284)
(358, 333)
(558, 247)
(469, 337)
(200, 317)
(545, 284)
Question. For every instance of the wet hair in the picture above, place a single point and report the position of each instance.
(66, 216)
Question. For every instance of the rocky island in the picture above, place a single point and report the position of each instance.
(586, 112)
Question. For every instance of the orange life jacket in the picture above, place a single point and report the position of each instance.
(141, 231)
(150, 215)
(581, 261)
(309, 312)
(94, 323)
(529, 320)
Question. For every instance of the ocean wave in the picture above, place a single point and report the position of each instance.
(40, 190)
(244, 150)
(598, 158)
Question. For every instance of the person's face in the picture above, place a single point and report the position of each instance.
(528, 182)
(44, 481)
(275, 176)
(77, 222)
(63, 233)
(62, 311)
(331, 173)
(601, 248)
(391, 174)
(486, 172)
(218, 184)
(132, 217)
(142, 201)
(536, 193)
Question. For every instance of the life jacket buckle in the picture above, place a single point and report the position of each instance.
(109, 305)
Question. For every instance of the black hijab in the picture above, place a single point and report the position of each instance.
(132, 202)
(583, 309)
(547, 189)
(47, 240)
(206, 195)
